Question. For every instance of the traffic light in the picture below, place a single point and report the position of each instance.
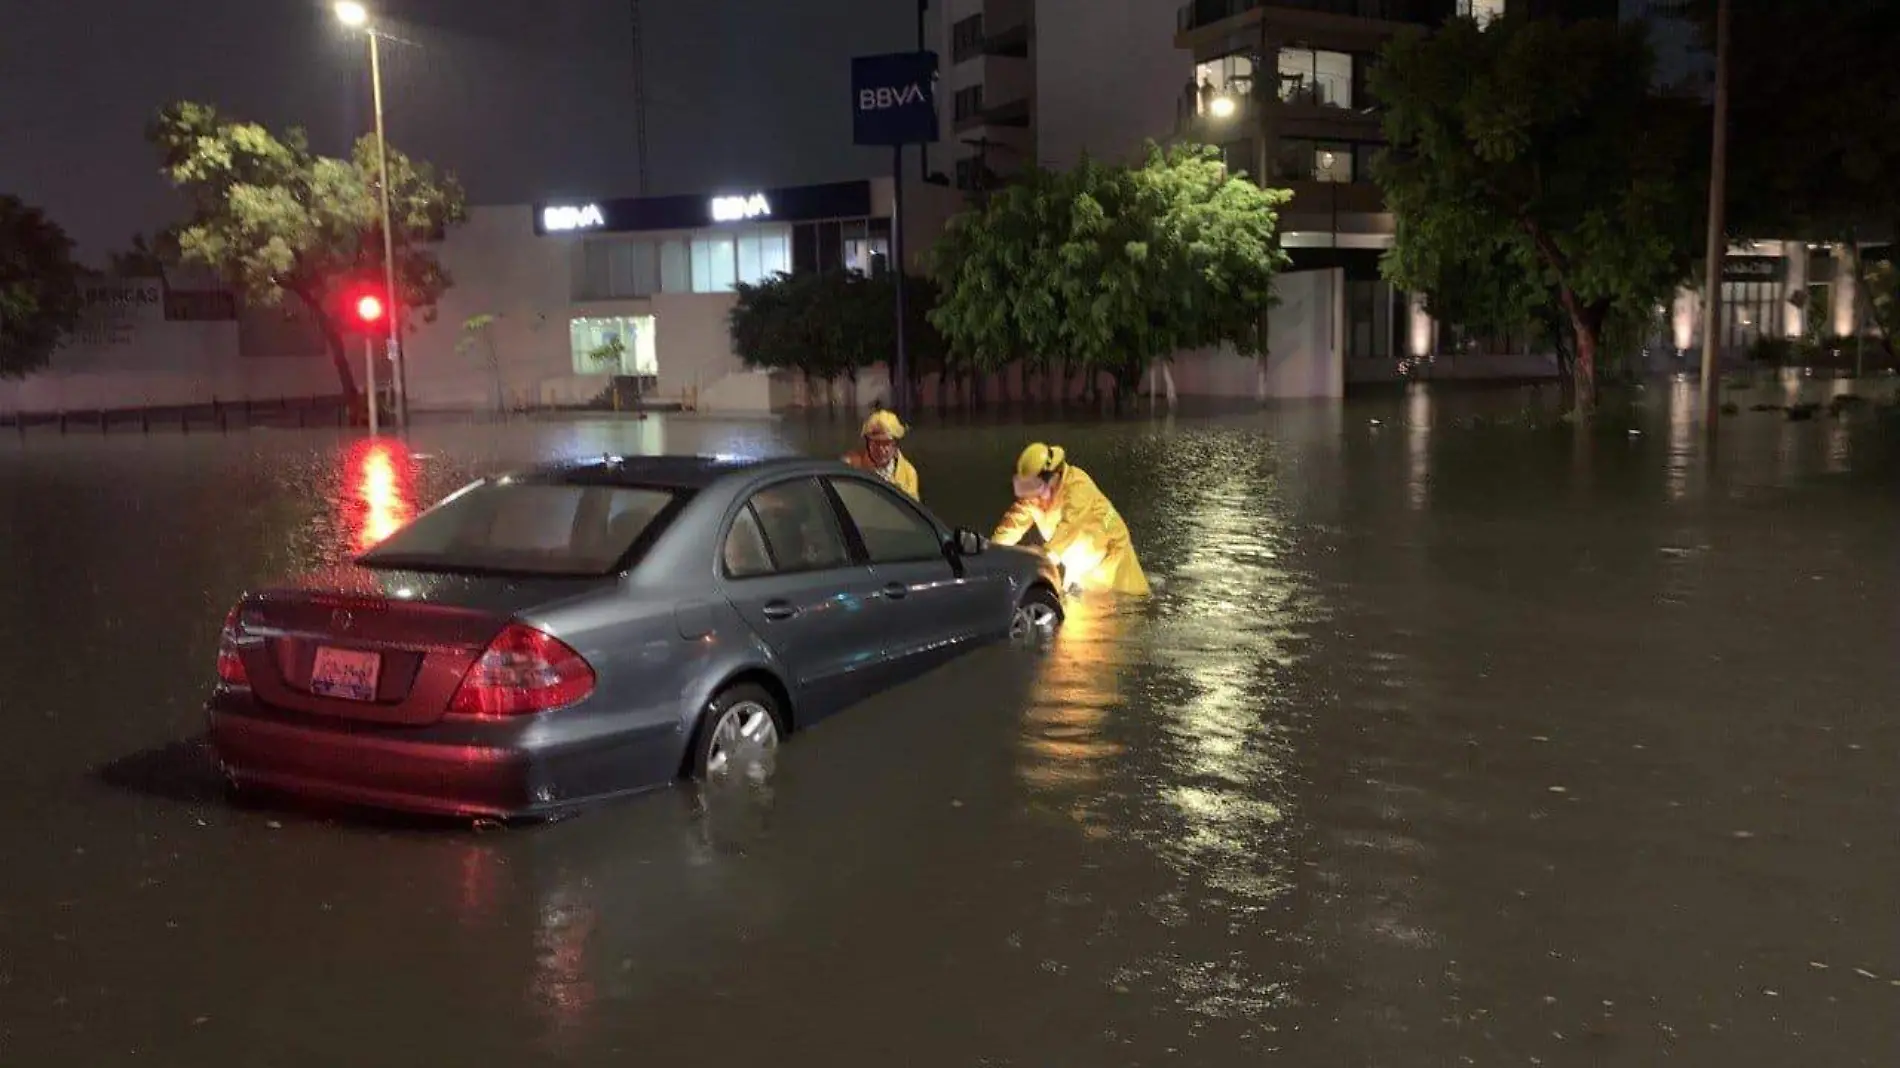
(364, 309)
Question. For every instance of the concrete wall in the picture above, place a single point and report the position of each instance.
(127, 354)
(1107, 78)
(1306, 350)
(500, 268)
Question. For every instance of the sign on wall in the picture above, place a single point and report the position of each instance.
(894, 99)
(1754, 268)
(114, 310)
(805, 203)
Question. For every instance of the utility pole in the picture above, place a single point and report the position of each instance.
(398, 370)
(639, 101)
(1718, 240)
(923, 150)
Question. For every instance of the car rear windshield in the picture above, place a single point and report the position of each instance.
(514, 527)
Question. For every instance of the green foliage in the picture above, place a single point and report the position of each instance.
(275, 218)
(478, 341)
(143, 258)
(39, 288)
(609, 354)
(1111, 268)
(1882, 280)
(1534, 176)
(831, 324)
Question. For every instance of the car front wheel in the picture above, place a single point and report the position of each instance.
(1037, 617)
(738, 735)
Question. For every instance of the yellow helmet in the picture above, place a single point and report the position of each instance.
(883, 424)
(1039, 460)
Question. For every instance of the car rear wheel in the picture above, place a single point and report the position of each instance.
(738, 735)
(1037, 617)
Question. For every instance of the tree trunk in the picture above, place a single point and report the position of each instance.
(1586, 324)
(333, 340)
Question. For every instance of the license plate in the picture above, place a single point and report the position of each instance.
(345, 673)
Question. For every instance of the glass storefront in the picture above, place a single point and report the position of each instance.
(614, 345)
(705, 261)
(1750, 311)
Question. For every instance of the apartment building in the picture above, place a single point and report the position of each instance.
(1283, 87)
(1048, 81)
(987, 89)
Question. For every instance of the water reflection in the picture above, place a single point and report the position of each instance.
(1065, 749)
(1169, 725)
(1418, 446)
(381, 479)
(1683, 402)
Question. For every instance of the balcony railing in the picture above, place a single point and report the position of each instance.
(1199, 13)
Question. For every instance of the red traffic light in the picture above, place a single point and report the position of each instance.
(369, 309)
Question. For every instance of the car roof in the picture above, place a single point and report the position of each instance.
(669, 472)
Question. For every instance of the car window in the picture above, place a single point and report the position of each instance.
(527, 528)
(893, 532)
(800, 528)
(745, 555)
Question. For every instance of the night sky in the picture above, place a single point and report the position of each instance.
(520, 98)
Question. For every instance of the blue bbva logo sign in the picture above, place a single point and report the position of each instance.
(894, 99)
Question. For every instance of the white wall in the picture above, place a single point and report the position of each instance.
(1107, 78)
(126, 354)
(499, 268)
(1306, 351)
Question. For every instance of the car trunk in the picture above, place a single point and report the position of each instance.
(380, 646)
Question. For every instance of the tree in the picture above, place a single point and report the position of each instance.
(478, 344)
(39, 288)
(1539, 149)
(275, 218)
(144, 258)
(827, 325)
(1110, 268)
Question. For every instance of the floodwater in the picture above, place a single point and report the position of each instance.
(1448, 739)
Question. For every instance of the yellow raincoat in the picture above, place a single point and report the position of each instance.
(885, 426)
(903, 476)
(1082, 531)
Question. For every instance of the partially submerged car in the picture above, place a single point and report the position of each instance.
(583, 630)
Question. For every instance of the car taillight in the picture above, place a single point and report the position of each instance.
(523, 671)
(230, 664)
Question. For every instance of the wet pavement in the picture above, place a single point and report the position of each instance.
(1448, 739)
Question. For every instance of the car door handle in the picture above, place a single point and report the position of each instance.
(896, 591)
(776, 610)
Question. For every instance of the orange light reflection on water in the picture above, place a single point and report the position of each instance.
(380, 480)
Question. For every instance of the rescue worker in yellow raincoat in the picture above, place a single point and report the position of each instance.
(1080, 529)
(880, 454)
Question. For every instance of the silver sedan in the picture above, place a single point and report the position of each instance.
(579, 631)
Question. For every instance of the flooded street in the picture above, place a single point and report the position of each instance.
(1446, 740)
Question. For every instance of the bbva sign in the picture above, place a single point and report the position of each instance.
(735, 209)
(561, 219)
(884, 97)
(893, 98)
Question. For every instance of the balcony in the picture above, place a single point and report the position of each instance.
(1203, 13)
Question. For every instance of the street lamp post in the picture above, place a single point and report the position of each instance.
(356, 16)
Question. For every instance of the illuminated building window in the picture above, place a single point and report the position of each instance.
(639, 350)
(1483, 11)
(1313, 77)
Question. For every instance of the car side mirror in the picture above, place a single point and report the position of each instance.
(968, 542)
